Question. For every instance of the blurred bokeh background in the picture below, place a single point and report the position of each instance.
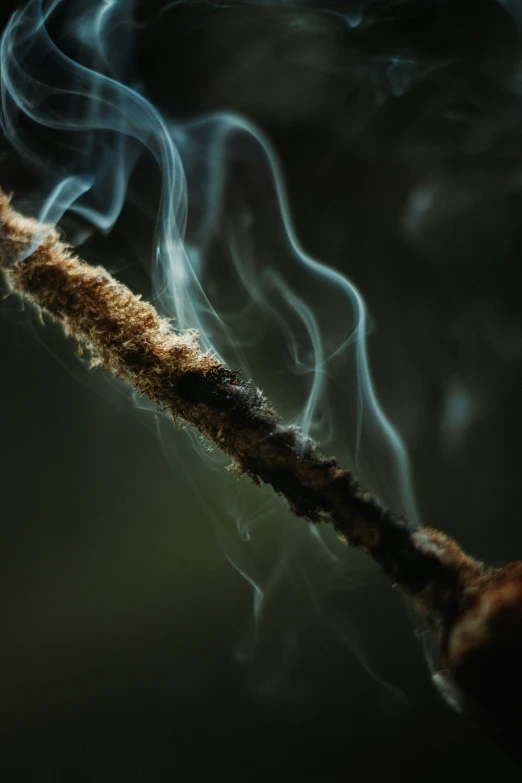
(160, 617)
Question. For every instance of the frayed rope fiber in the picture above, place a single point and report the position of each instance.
(474, 611)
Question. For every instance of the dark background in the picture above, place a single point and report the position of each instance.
(126, 633)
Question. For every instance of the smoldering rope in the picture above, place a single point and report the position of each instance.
(472, 610)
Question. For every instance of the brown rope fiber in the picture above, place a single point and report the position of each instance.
(474, 611)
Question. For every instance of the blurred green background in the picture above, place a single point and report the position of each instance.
(128, 642)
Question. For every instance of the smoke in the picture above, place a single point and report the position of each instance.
(75, 107)
(115, 142)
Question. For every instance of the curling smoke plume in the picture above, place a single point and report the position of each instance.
(78, 114)
(80, 117)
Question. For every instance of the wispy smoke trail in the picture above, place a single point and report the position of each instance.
(77, 108)
(74, 108)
